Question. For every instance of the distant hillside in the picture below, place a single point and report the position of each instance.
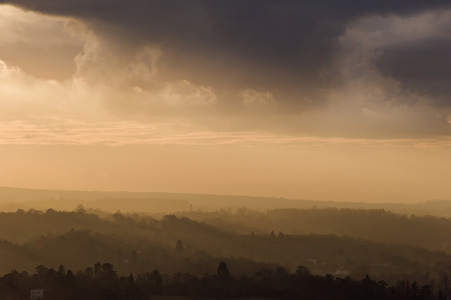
(377, 225)
(137, 244)
(12, 199)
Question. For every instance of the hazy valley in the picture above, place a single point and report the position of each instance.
(339, 241)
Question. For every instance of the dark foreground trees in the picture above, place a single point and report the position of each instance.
(102, 282)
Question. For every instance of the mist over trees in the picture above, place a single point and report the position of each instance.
(378, 225)
(136, 243)
(236, 252)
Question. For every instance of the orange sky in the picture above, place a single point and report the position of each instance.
(83, 107)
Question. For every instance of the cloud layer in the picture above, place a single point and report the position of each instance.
(322, 68)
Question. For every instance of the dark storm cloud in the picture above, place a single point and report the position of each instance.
(423, 65)
(282, 46)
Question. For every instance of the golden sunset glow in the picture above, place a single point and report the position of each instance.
(110, 101)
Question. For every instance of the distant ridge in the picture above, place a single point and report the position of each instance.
(13, 198)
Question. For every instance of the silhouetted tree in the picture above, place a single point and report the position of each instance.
(98, 270)
(41, 270)
(223, 271)
(61, 271)
(130, 280)
(179, 246)
(281, 273)
(118, 217)
(70, 277)
(80, 209)
(51, 275)
(156, 281)
(89, 272)
(108, 271)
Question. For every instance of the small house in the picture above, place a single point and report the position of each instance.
(36, 294)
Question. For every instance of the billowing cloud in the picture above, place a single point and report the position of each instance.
(258, 44)
(353, 69)
(38, 44)
(367, 95)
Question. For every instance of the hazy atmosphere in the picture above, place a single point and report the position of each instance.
(224, 149)
(325, 100)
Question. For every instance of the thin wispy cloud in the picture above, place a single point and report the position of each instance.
(132, 133)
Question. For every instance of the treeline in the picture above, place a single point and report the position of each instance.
(102, 282)
(377, 225)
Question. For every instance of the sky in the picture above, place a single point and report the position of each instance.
(325, 100)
